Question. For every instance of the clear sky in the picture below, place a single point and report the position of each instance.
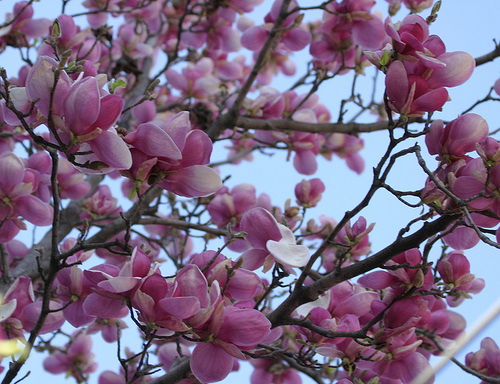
(463, 25)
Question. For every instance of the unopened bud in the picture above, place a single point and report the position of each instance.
(418, 280)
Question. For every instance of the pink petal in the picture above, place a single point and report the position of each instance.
(153, 141)
(195, 181)
(430, 101)
(101, 306)
(462, 238)
(76, 316)
(11, 171)
(297, 39)
(210, 363)
(191, 282)
(358, 304)
(34, 210)
(377, 280)
(40, 81)
(244, 327)
(369, 34)
(197, 149)
(82, 105)
(112, 150)
(178, 307)
(176, 80)
(260, 226)
(254, 38)
(459, 68)
(110, 111)
(396, 82)
(305, 162)
(254, 258)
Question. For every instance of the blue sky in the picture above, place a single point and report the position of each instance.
(462, 25)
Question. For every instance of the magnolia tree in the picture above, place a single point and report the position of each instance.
(107, 132)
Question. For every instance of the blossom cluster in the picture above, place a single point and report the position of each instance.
(146, 102)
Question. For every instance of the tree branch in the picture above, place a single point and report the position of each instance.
(174, 375)
(308, 293)
(290, 125)
(489, 56)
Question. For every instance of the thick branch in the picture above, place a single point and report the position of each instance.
(311, 292)
(175, 375)
(290, 125)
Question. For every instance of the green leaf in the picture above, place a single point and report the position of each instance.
(119, 83)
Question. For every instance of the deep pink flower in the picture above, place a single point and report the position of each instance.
(89, 115)
(410, 94)
(458, 138)
(178, 154)
(232, 330)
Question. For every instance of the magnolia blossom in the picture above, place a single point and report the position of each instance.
(458, 137)
(83, 115)
(176, 155)
(272, 242)
(308, 192)
(77, 360)
(17, 185)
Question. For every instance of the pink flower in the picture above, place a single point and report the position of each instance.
(485, 361)
(16, 187)
(417, 5)
(292, 38)
(232, 330)
(112, 284)
(308, 192)
(73, 289)
(410, 94)
(196, 80)
(458, 138)
(101, 203)
(77, 361)
(272, 242)
(178, 154)
(89, 115)
(20, 28)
